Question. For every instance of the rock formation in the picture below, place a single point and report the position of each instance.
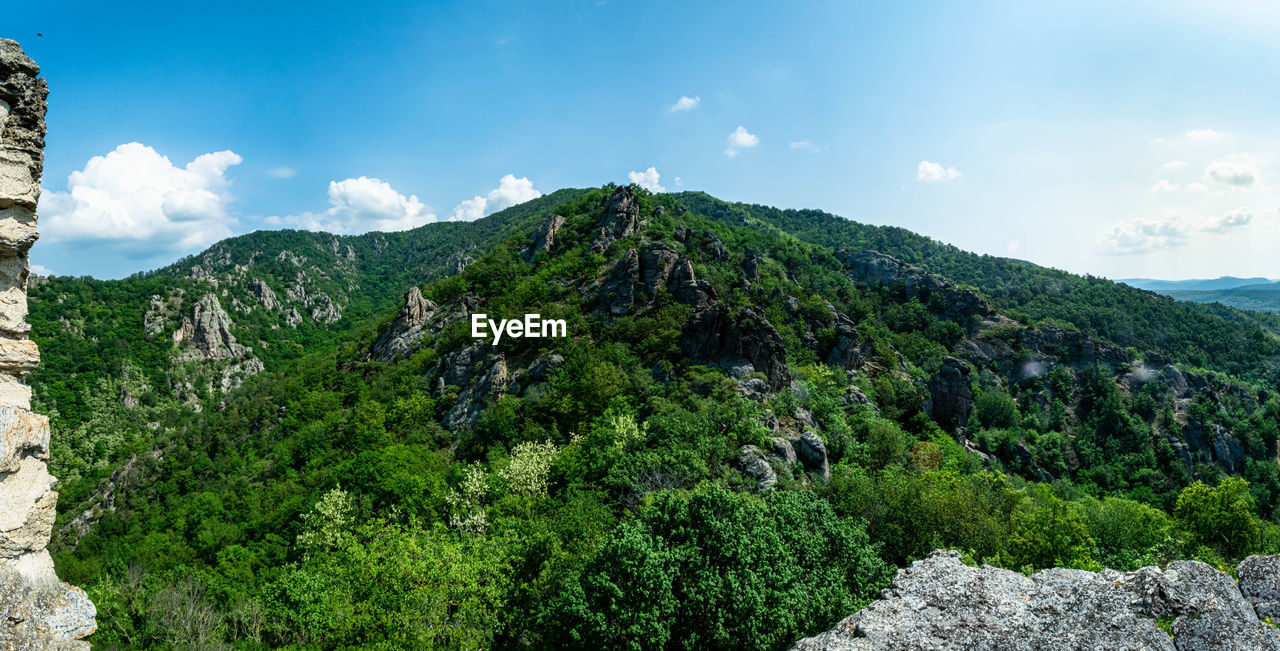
(874, 268)
(941, 603)
(208, 332)
(739, 345)
(543, 238)
(402, 337)
(36, 609)
(951, 396)
(621, 219)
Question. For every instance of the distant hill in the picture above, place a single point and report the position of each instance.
(1254, 294)
(1195, 284)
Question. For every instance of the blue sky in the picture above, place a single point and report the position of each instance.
(1133, 140)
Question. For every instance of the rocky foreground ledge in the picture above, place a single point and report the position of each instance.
(941, 603)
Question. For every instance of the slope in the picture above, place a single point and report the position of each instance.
(741, 433)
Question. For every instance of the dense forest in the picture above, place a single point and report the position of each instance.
(752, 423)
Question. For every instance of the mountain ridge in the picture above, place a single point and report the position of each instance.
(785, 372)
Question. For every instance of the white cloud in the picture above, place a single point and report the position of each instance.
(1236, 170)
(930, 172)
(1205, 135)
(805, 144)
(1172, 230)
(510, 191)
(360, 205)
(136, 201)
(1174, 165)
(1232, 219)
(41, 270)
(1013, 246)
(282, 172)
(1195, 137)
(679, 183)
(1202, 189)
(686, 104)
(647, 179)
(740, 139)
(1164, 186)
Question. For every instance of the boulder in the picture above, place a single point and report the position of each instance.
(755, 465)
(812, 452)
(941, 603)
(1260, 584)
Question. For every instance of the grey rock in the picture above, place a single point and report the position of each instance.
(784, 449)
(874, 268)
(1260, 584)
(543, 239)
(687, 288)
(951, 395)
(402, 337)
(153, 320)
(207, 332)
(482, 375)
(621, 219)
(812, 452)
(940, 603)
(292, 318)
(263, 292)
(325, 311)
(617, 291)
(755, 465)
(751, 266)
(712, 336)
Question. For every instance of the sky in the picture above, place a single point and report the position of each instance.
(1134, 139)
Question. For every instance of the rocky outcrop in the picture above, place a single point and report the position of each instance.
(941, 603)
(325, 311)
(263, 292)
(621, 219)
(617, 291)
(480, 373)
(206, 333)
(543, 239)
(952, 302)
(402, 337)
(36, 609)
(951, 396)
(755, 464)
(153, 320)
(634, 280)
(740, 345)
(458, 263)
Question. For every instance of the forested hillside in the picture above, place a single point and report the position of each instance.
(756, 417)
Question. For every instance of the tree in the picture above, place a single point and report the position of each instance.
(1221, 517)
(712, 568)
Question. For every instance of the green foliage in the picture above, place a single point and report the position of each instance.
(710, 568)
(323, 504)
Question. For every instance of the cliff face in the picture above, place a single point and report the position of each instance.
(36, 609)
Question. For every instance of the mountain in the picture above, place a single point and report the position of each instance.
(754, 416)
(1223, 282)
(1259, 298)
(1253, 294)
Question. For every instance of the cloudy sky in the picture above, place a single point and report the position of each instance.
(1118, 139)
